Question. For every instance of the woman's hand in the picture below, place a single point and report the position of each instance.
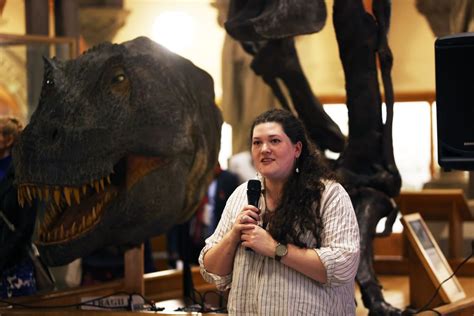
(247, 218)
(220, 258)
(259, 240)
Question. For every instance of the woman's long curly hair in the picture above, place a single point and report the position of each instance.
(300, 202)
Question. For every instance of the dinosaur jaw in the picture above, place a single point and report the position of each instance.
(72, 212)
(69, 211)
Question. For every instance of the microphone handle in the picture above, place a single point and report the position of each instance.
(252, 199)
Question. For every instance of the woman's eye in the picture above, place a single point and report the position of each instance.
(256, 143)
(275, 141)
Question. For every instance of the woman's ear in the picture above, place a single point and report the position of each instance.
(298, 149)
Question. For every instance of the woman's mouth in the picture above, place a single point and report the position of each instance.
(266, 160)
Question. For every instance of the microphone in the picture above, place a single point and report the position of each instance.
(254, 188)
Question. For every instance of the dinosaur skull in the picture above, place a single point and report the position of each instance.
(121, 146)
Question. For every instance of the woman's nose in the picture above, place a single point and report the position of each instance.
(265, 147)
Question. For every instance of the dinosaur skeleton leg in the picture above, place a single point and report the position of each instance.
(360, 38)
(381, 11)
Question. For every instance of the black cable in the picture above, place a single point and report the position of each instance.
(200, 306)
(425, 307)
(201, 299)
(222, 307)
(152, 303)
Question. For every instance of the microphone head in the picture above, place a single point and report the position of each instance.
(254, 187)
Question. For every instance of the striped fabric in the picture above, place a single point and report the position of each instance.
(262, 286)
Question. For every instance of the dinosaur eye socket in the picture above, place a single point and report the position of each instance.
(48, 86)
(118, 78)
(118, 82)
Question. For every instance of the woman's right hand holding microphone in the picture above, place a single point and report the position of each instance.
(247, 219)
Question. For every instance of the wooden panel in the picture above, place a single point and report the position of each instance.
(168, 284)
(69, 296)
(162, 285)
(421, 285)
(399, 265)
(463, 307)
(159, 251)
(389, 255)
(158, 243)
(434, 204)
(134, 270)
(392, 245)
(428, 96)
(391, 265)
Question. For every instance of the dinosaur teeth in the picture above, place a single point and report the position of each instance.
(28, 194)
(99, 207)
(54, 210)
(20, 197)
(46, 219)
(67, 195)
(81, 228)
(73, 228)
(57, 199)
(60, 195)
(96, 186)
(77, 195)
(57, 196)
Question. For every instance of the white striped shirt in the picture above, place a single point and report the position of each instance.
(261, 285)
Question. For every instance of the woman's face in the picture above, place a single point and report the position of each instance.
(273, 153)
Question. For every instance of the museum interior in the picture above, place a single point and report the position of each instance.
(132, 128)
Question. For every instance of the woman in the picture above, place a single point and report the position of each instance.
(304, 237)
